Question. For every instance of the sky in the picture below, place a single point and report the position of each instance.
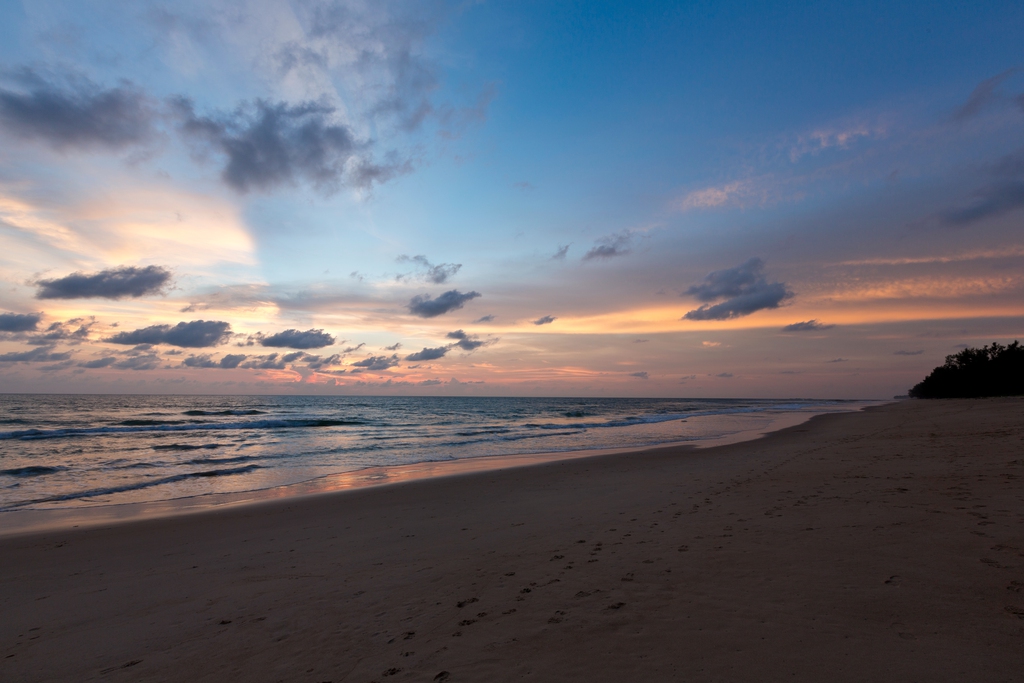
(749, 199)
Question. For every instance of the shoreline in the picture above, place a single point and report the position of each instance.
(17, 522)
(885, 544)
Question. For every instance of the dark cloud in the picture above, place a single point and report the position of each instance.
(268, 362)
(43, 354)
(641, 341)
(76, 113)
(377, 362)
(270, 144)
(314, 362)
(438, 274)
(465, 341)
(74, 331)
(452, 300)
(228, 362)
(724, 375)
(98, 363)
(837, 360)
(393, 347)
(350, 349)
(191, 335)
(294, 339)
(746, 287)
(144, 362)
(616, 244)
(485, 319)
(559, 255)
(545, 320)
(986, 93)
(642, 374)
(428, 354)
(231, 360)
(1003, 192)
(901, 352)
(115, 283)
(807, 326)
(202, 361)
(19, 322)
(992, 201)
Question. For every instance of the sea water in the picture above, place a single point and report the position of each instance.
(87, 450)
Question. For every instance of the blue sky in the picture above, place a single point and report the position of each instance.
(656, 199)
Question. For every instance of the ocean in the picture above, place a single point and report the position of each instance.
(90, 450)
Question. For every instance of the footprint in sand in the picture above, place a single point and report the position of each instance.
(442, 677)
(463, 603)
(617, 605)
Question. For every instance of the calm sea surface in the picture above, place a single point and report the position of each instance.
(67, 451)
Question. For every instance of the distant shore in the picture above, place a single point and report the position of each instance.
(886, 544)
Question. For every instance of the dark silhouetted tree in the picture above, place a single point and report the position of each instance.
(994, 370)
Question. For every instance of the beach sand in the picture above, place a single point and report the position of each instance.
(883, 545)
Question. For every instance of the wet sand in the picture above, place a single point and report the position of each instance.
(881, 545)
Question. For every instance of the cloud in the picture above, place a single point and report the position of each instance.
(231, 360)
(43, 354)
(641, 341)
(428, 354)
(425, 307)
(202, 361)
(269, 144)
(465, 342)
(438, 274)
(745, 288)
(114, 283)
(993, 201)
(714, 197)
(268, 362)
(1003, 193)
(641, 375)
(19, 322)
(314, 362)
(807, 326)
(98, 363)
(228, 362)
(144, 362)
(710, 344)
(377, 362)
(76, 113)
(616, 244)
(191, 335)
(901, 352)
(74, 331)
(983, 95)
(294, 339)
(485, 319)
(559, 255)
(545, 320)
(393, 347)
(837, 360)
(724, 375)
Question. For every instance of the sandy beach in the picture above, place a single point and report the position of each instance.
(883, 545)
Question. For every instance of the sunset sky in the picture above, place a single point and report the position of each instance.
(507, 198)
